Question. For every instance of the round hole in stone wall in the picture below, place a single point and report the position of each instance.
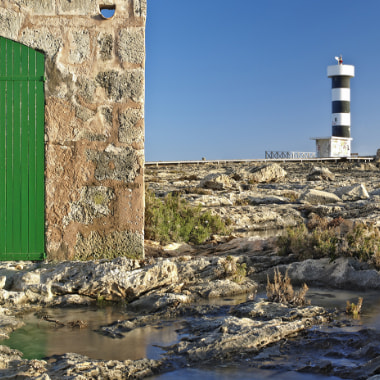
(107, 11)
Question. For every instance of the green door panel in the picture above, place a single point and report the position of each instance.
(22, 203)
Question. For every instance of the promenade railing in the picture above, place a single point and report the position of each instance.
(275, 155)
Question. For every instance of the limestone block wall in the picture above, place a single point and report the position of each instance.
(94, 120)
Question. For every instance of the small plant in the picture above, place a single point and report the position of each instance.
(242, 202)
(229, 267)
(234, 270)
(173, 219)
(353, 309)
(241, 272)
(99, 198)
(292, 196)
(282, 290)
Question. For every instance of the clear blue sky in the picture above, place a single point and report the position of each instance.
(229, 79)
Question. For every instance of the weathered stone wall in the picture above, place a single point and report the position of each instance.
(94, 120)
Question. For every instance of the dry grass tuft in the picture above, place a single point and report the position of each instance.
(282, 291)
(353, 309)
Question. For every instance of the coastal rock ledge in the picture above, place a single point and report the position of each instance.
(158, 290)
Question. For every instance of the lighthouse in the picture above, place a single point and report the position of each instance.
(340, 75)
(339, 144)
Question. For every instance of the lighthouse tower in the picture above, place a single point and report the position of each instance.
(341, 115)
(339, 144)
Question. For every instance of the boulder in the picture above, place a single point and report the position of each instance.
(320, 174)
(120, 279)
(342, 273)
(318, 197)
(352, 193)
(267, 173)
(216, 181)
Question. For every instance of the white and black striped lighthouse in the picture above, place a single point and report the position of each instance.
(340, 75)
(339, 144)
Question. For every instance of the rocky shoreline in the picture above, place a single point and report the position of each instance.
(178, 280)
(162, 289)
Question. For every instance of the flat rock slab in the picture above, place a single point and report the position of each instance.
(250, 327)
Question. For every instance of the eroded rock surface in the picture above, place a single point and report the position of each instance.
(213, 340)
(276, 195)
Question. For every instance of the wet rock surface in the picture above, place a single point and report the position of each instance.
(255, 332)
(346, 355)
(227, 337)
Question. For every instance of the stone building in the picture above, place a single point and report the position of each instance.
(93, 59)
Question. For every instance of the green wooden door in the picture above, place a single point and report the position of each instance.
(22, 118)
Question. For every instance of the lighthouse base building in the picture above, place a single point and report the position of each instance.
(333, 146)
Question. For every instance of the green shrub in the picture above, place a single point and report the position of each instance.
(173, 219)
(363, 242)
(293, 241)
(325, 239)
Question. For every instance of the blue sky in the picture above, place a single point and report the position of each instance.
(228, 79)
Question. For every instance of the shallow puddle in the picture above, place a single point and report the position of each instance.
(39, 338)
(239, 374)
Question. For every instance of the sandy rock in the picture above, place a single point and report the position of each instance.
(352, 193)
(223, 288)
(8, 323)
(261, 218)
(317, 197)
(12, 298)
(217, 181)
(8, 355)
(268, 173)
(212, 201)
(120, 279)
(28, 280)
(320, 174)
